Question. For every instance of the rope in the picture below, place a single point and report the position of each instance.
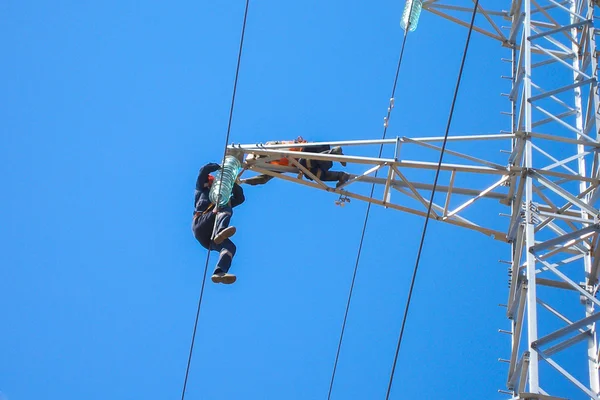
(437, 174)
(364, 228)
(237, 72)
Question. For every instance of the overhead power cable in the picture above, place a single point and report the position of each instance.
(435, 181)
(364, 228)
(235, 81)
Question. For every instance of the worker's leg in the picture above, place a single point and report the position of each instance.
(226, 252)
(327, 176)
(202, 226)
(306, 163)
(223, 230)
(341, 177)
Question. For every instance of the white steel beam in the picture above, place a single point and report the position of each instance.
(553, 227)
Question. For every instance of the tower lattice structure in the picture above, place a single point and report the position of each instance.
(548, 182)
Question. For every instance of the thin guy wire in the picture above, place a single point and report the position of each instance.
(237, 71)
(437, 174)
(364, 228)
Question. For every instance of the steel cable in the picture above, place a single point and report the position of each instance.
(364, 228)
(437, 174)
(237, 72)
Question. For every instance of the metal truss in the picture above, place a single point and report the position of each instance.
(554, 227)
(549, 181)
(402, 183)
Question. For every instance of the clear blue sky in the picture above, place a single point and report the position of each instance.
(108, 110)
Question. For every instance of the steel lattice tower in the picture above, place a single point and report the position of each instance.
(549, 183)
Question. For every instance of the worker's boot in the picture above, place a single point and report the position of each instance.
(344, 177)
(224, 234)
(223, 277)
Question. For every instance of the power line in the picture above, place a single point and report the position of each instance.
(364, 228)
(235, 81)
(437, 174)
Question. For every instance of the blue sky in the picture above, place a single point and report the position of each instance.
(108, 111)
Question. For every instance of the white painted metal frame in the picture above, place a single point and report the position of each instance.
(554, 223)
(398, 189)
(550, 182)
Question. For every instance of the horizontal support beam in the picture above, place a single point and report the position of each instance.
(379, 161)
(568, 280)
(566, 330)
(561, 89)
(489, 232)
(568, 343)
(557, 138)
(452, 138)
(564, 238)
(561, 29)
(563, 193)
(554, 284)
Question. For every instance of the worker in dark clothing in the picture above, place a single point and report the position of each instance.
(205, 215)
(319, 168)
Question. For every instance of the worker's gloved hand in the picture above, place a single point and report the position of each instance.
(212, 167)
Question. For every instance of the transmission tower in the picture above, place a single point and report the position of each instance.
(548, 181)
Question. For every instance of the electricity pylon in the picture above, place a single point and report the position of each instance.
(548, 181)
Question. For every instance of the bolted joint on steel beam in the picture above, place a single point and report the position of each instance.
(533, 213)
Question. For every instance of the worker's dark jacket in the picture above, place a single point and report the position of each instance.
(314, 165)
(201, 200)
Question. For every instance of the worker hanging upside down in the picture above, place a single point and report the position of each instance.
(206, 213)
(319, 168)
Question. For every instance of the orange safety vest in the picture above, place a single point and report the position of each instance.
(284, 161)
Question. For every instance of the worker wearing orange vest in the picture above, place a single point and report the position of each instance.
(319, 168)
(284, 161)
